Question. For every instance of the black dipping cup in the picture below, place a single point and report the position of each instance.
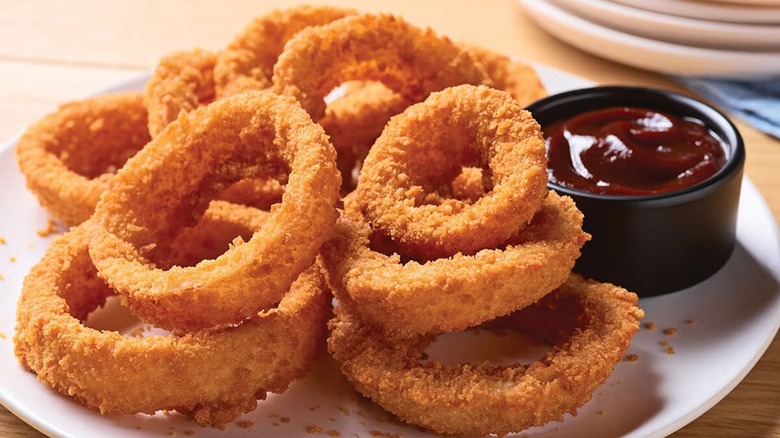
(660, 243)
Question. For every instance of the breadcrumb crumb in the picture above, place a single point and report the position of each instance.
(245, 424)
(137, 332)
(650, 326)
(670, 331)
(377, 433)
(314, 429)
(3, 241)
(667, 347)
(50, 228)
(2, 336)
(632, 358)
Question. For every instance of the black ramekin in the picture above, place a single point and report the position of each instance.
(659, 243)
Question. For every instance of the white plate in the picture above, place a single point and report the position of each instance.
(727, 12)
(673, 29)
(647, 53)
(735, 315)
(749, 2)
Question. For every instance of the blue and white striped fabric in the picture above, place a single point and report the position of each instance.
(755, 102)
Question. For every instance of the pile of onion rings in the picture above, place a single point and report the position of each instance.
(439, 237)
(198, 251)
(599, 321)
(226, 371)
(208, 206)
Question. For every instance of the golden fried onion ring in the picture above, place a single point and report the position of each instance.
(248, 61)
(168, 185)
(408, 60)
(405, 299)
(516, 78)
(181, 82)
(212, 376)
(428, 145)
(68, 156)
(483, 399)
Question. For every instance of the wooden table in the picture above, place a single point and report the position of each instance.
(52, 51)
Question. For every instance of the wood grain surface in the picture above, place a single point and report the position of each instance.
(53, 51)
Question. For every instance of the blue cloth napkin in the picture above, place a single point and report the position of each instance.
(756, 102)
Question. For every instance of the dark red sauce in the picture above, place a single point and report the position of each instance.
(631, 151)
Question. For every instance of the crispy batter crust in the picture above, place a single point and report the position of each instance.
(428, 145)
(517, 78)
(212, 376)
(68, 156)
(408, 60)
(405, 299)
(181, 82)
(248, 62)
(483, 399)
(168, 185)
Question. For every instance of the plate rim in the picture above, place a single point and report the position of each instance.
(569, 28)
(675, 29)
(721, 11)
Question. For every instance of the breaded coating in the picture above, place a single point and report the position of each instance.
(248, 61)
(69, 156)
(213, 376)
(168, 185)
(181, 82)
(428, 145)
(410, 61)
(407, 298)
(486, 399)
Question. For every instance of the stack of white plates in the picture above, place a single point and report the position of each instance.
(726, 38)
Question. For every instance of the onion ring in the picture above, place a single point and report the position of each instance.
(483, 399)
(517, 78)
(247, 63)
(182, 81)
(429, 144)
(211, 376)
(384, 48)
(68, 156)
(168, 185)
(453, 293)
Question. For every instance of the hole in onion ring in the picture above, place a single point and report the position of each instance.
(479, 345)
(522, 337)
(112, 316)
